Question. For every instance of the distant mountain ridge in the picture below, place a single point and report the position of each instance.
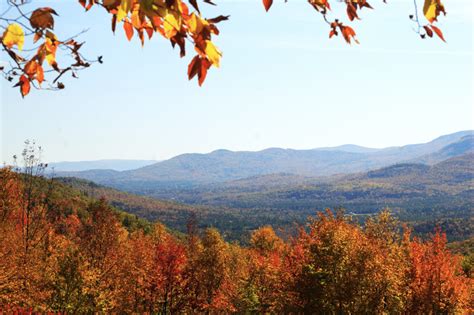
(223, 165)
(114, 164)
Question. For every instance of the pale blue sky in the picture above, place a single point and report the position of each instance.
(282, 83)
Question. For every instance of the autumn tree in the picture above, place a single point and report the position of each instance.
(208, 274)
(40, 59)
(437, 283)
(343, 270)
(29, 246)
(263, 286)
(169, 266)
(100, 246)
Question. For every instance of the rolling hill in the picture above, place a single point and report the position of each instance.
(423, 195)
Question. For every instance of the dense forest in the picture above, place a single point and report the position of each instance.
(64, 252)
(420, 195)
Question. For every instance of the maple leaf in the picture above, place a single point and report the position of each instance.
(348, 33)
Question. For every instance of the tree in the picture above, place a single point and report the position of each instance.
(263, 284)
(437, 283)
(207, 275)
(177, 21)
(29, 247)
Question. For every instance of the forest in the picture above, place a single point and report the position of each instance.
(64, 252)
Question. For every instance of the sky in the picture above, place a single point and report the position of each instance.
(282, 83)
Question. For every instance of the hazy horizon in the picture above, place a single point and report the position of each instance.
(257, 150)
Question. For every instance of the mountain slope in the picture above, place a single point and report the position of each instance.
(463, 146)
(446, 188)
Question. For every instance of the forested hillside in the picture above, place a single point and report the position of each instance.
(421, 195)
(64, 252)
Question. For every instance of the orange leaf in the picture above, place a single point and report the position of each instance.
(438, 32)
(24, 85)
(127, 26)
(348, 33)
(39, 74)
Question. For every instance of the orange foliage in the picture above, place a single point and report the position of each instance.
(64, 256)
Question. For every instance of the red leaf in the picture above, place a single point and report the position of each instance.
(114, 22)
(351, 11)
(428, 31)
(193, 67)
(267, 4)
(205, 65)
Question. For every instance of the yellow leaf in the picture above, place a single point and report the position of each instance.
(212, 53)
(50, 48)
(171, 25)
(14, 35)
(123, 9)
(195, 24)
(431, 9)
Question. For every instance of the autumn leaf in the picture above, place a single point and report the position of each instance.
(30, 68)
(432, 9)
(42, 18)
(212, 53)
(14, 35)
(24, 85)
(124, 8)
(219, 18)
(127, 26)
(267, 4)
(198, 66)
(40, 74)
(438, 32)
(50, 47)
(171, 25)
(348, 33)
(428, 31)
(352, 11)
(195, 24)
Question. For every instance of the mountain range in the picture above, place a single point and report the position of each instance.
(223, 165)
